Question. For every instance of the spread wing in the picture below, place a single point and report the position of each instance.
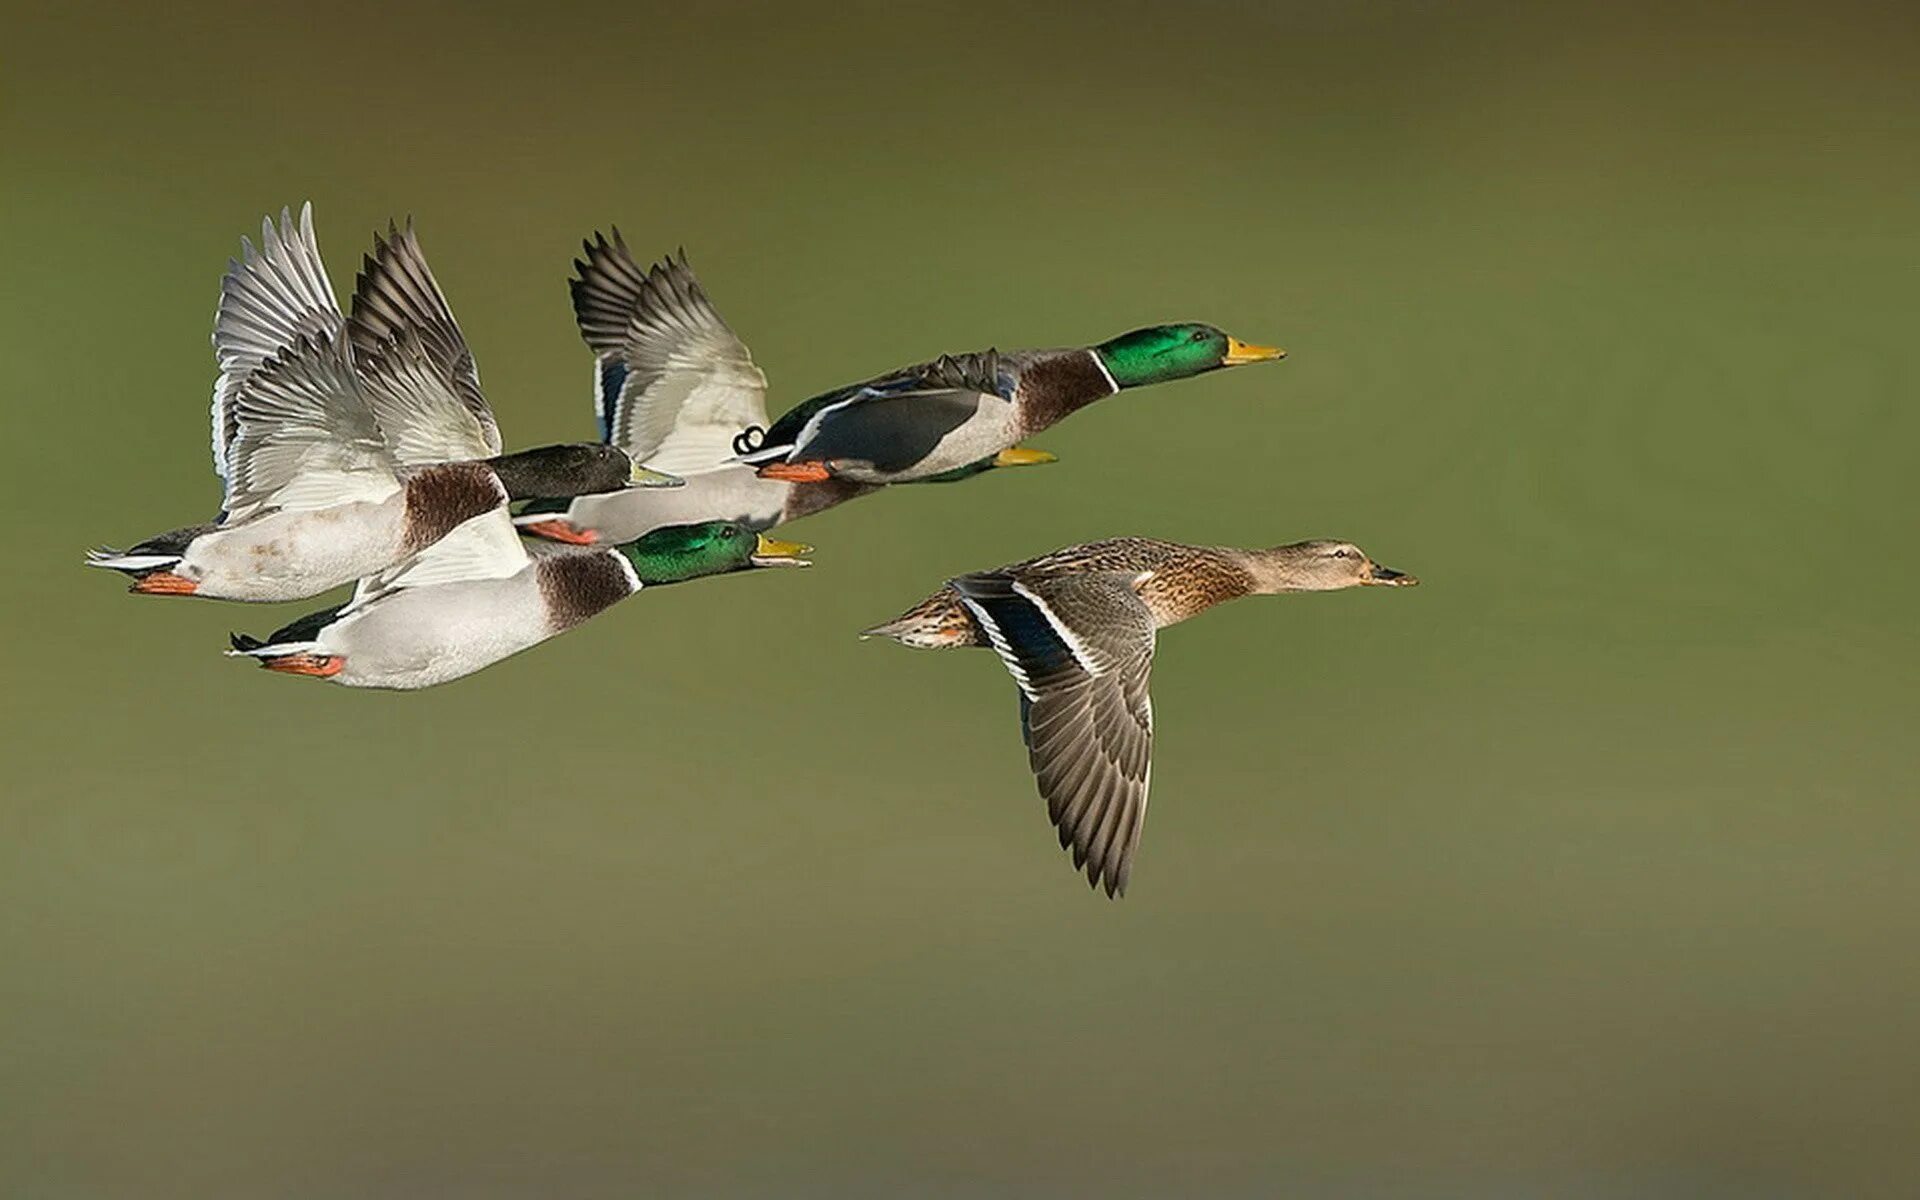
(894, 421)
(1081, 649)
(396, 291)
(305, 437)
(271, 298)
(673, 385)
(419, 409)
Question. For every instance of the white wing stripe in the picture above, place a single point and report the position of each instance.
(1000, 645)
(1075, 646)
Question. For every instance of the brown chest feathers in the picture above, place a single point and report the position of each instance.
(579, 584)
(1055, 385)
(440, 497)
(1193, 582)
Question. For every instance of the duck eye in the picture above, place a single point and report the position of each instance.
(1199, 335)
(1342, 553)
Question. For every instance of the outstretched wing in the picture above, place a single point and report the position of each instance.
(1081, 649)
(305, 437)
(418, 408)
(396, 291)
(270, 299)
(673, 385)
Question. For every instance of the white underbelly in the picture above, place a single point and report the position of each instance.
(726, 494)
(419, 637)
(296, 554)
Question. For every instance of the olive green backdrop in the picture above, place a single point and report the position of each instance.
(1586, 869)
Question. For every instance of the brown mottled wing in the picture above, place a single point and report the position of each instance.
(1081, 649)
(395, 292)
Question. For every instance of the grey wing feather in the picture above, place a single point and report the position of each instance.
(396, 291)
(419, 411)
(1081, 648)
(673, 384)
(270, 298)
(306, 437)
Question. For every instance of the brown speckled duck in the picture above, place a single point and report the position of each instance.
(1076, 630)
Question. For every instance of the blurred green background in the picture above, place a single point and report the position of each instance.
(1584, 870)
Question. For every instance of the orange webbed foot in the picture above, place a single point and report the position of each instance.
(320, 666)
(562, 531)
(164, 583)
(797, 472)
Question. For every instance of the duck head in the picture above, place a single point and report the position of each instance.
(1320, 566)
(1160, 353)
(680, 552)
(573, 469)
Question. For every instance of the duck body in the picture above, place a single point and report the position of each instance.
(939, 416)
(1174, 581)
(292, 554)
(419, 637)
(476, 597)
(933, 418)
(735, 492)
(1076, 630)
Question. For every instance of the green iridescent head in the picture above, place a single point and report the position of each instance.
(1161, 353)
(680, 552)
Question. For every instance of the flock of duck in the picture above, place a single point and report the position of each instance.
(359, 448)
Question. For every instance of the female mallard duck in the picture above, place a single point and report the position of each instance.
(930, 419)
(476, 597)
(340, 456)
(676, 388)
(1076, 629)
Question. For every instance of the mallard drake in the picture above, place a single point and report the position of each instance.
(1076, 630)
(340, 458)
(477, 597)
(677, 389)
(930, 419)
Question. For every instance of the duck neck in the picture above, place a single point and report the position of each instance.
(1059, 383)
(576, 586)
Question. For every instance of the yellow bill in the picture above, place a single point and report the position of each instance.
(771, 552)
(1240, 353)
